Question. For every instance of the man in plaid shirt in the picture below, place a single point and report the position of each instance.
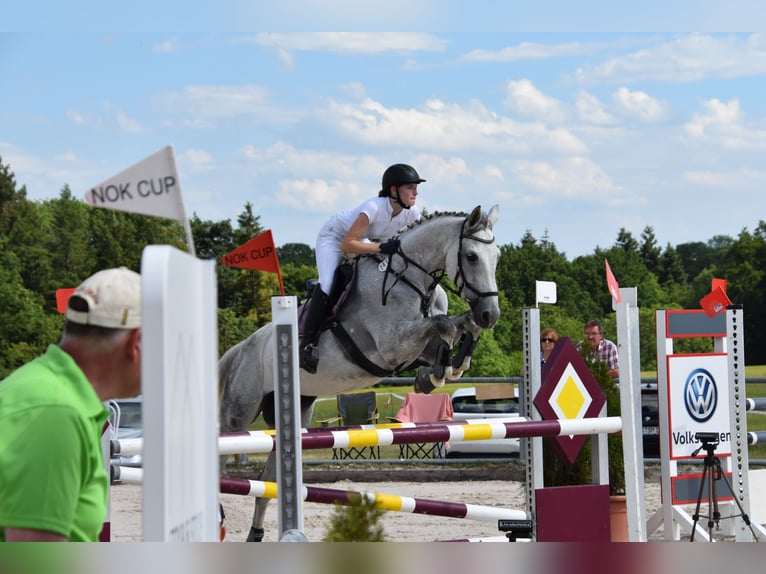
(603, 349)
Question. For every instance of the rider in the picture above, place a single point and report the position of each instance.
(351, 231)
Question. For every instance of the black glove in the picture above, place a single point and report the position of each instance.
(389, 247)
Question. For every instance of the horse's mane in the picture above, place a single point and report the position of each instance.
(425, 218)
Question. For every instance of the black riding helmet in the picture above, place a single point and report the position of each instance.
(398, 174)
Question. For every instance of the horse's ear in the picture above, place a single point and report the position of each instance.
(494, 213)
(475, 216)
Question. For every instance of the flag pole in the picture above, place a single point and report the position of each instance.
(189, 238)
(281, 286)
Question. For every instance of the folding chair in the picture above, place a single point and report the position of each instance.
(422, 408)
(355, 409)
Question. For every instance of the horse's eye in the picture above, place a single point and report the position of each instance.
(472, 257)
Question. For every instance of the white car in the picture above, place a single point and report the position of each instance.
(466, 406)
(126, 419)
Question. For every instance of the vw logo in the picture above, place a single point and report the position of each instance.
(700, 395)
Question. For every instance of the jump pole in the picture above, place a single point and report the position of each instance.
(388, 502)
(261, 442)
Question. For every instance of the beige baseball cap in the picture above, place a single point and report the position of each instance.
(110, 298)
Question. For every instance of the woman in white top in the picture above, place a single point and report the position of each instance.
(352, 231)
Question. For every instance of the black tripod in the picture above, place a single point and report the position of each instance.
(712, 472)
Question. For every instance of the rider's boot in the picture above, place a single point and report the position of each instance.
(309, 356)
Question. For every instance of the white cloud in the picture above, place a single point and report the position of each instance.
(314, 194)
(196, 161)
(743, 180)
(76, 117)
(167, 46)
(440, 126)
(350, 42)
(129, 125)
(529, 51)
(525, 99)
(592, 111)
(567, 178)
(688, 58)
(203, 106)
(639, 105)
(723, 124)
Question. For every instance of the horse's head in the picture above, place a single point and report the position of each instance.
(461, 246)
(476, 257)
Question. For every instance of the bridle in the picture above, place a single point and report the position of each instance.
(478, 295)
(460, 280)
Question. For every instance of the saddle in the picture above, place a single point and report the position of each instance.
(344, 281)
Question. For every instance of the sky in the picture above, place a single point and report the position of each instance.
(575, 131)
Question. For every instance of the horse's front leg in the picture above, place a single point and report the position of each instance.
(469, 333)
(268, 474)
(444, 366)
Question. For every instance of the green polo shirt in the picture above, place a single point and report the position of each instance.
(52, 473)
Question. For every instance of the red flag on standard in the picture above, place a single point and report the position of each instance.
(259, 254)
(611, 283)
(715, 302)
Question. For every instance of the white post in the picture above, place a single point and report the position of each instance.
(531, 448)
(284, 318)
(179, 345)
(628, 351)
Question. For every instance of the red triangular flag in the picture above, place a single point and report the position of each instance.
(611, 283)
(259, 253)
(62, 298)
(714, 302)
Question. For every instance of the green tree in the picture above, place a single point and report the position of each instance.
(650, 253)
(626, 241)
(25, 329)
(27, 229)
(298, 254)
(69, 242)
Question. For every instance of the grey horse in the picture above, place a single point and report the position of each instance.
(395, 317)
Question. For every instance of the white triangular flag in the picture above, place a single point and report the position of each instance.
(545, 292)
(150, 187)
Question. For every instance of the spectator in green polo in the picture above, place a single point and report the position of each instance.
(53, 480)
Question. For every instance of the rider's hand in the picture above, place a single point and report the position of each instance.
(389, 247)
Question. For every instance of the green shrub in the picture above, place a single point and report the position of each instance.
(357, 522)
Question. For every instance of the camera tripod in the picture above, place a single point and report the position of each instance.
(712, 472)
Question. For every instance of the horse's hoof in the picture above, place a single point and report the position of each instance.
(437, 383)
(256, 535)
(423, 381)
